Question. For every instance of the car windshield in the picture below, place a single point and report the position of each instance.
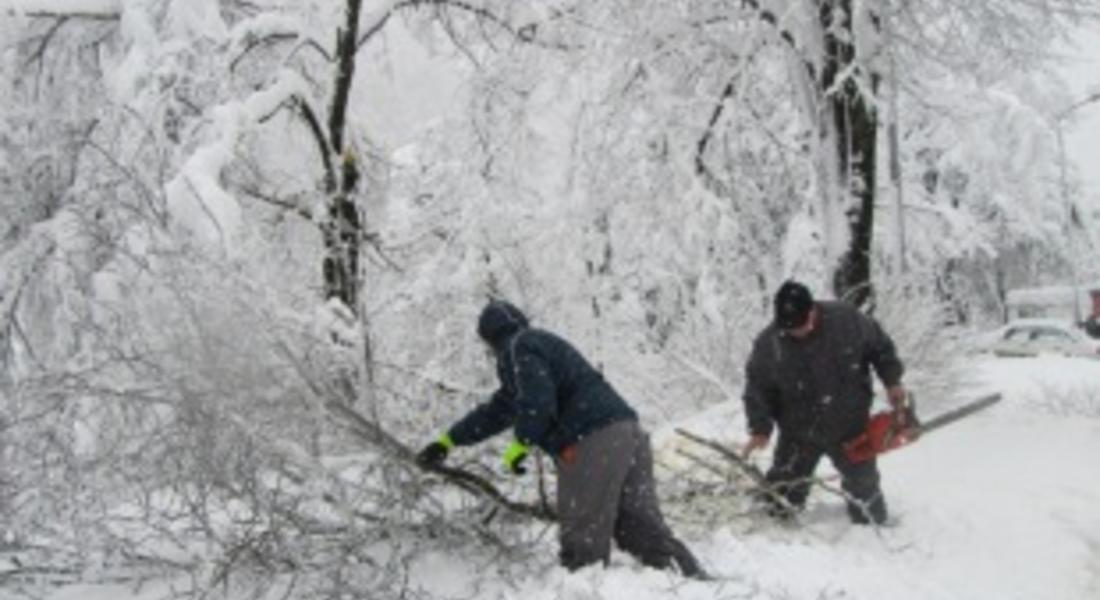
(1042, 332)
(1049, 334)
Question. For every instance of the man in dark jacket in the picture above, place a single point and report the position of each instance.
(809, 374)
(555, 400)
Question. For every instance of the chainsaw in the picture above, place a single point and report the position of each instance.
(885, 432)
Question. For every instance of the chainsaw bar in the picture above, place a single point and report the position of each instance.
(882, 435)
(955, 414)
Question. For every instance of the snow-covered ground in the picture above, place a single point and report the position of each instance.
(1003, 505)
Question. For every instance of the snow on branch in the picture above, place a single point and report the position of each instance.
(526, 33)
(195, 195)
(314, 124)
(776, 22)
(267, 29)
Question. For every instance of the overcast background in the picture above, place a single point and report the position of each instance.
(1083, 131)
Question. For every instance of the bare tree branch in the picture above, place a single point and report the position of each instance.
(254, 43)
(527, 33)
(319, 136)
(283, 203)
(701, 167)
(40, 52)
(771, 19)
(475, 484)
(275, 38)
(785, 34)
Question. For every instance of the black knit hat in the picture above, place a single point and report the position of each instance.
(793, 303)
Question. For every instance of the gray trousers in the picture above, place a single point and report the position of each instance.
(794, 463)
(608, 492)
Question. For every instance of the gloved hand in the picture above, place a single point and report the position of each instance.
(435, 453)
(514, 455)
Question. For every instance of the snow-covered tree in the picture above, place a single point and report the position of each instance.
(220, 236)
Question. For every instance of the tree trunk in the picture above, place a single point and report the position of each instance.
(854, 120)
(343, 226)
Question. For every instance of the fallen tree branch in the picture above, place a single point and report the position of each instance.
(765, 487)
(474, 484)
(748, 468)
(376, 436)
(754, 473)
(698, 461)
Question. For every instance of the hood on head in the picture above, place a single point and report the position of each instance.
(499, 321)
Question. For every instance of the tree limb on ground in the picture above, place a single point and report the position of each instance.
(757, 476)
(470, 482)
(754, 473)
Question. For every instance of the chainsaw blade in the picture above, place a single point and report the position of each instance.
(882, 436)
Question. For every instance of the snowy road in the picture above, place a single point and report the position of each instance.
(1004, 505)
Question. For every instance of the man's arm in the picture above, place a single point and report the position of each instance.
(759, 399)
(485, 421)
(536, 398)
(882, 354)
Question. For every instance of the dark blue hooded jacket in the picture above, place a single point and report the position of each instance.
(548, 392)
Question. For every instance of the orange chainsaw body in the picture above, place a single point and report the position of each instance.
(882, 435)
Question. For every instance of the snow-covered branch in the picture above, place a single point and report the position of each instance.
(527, 33)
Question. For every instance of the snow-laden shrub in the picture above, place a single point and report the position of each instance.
(195, 435)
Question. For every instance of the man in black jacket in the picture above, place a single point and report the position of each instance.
(554, 399)
(809, 374)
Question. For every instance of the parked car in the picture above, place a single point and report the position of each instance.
(1034, 337)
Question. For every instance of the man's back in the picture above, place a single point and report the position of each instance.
(559, 396)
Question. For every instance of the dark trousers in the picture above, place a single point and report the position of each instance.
(607, 491)
(793, 466)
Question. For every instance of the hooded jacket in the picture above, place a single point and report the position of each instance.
(548, 392)
(818, 389)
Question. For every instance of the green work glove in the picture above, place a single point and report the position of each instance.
(514, 455)
(436, 452)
